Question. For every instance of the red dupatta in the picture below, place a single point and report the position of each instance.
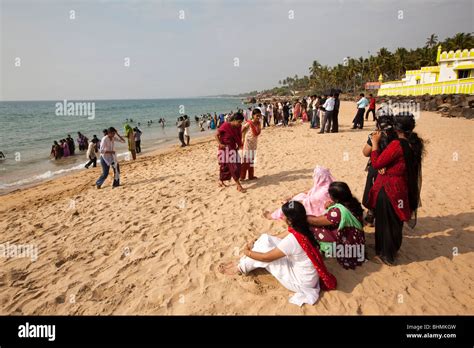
(255, 130)
(328, 281)
(230, 135)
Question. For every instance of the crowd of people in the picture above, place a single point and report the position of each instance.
(328, 220)
(67, 147)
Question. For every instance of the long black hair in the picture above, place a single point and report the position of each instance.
(296, 215)
(238, 116)
(405, 122)
(413, 151)
(384, 123)
(341, 193)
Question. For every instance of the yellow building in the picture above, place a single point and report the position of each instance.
(453, 74)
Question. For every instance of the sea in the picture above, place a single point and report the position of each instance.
(28, 129)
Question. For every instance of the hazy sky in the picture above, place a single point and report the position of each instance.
(83, 58)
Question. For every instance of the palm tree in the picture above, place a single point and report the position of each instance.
(357, 71)
(315, 68)
(431, 41)
(460, 41)
(400, 60)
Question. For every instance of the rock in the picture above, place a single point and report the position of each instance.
(444, 106)
(455, 111)
(468, 113)
(426, 97)
(432, 105)
(439, 99)
(458, 100)
(470, 101)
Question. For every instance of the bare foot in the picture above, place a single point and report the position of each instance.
(253, 178)
(229, 268)
(221, 184)
(267, 215)
(241, 189)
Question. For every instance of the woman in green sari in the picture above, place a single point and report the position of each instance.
(130, 135)
(342, 225)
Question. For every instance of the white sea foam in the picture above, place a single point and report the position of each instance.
(43, 176)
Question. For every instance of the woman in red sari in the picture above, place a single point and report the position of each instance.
(229, 137)
(395, 195)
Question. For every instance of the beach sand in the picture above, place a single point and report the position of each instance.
(153, 246)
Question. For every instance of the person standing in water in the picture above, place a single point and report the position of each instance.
(108, 157)
(138, 139)
(187, 124)
(56, 150)
(65, 147)
(70, 143)
(181, 125)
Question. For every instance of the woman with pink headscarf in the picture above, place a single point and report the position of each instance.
(313, 200)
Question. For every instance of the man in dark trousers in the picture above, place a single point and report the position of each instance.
(371, 109)
(286, 113)
(359, 117)
(335, 114)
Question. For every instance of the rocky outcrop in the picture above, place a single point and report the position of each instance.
(448, 105)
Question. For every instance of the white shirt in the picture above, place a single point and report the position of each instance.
(329, 104)
(107, 144)
(269, 110)
(302, 265)
(91, 150)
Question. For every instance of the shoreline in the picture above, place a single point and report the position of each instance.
(69, 170)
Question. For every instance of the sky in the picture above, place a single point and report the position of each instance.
(199, 47)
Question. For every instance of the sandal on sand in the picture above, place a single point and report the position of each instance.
(381, 260)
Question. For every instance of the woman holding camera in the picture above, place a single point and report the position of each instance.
(395, 195)
(384, 124)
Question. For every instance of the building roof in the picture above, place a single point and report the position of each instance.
(452, 55)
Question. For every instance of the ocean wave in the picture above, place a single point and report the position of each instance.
(43, 176)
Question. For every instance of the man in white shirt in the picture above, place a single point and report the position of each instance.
(359, 117)
(328, 108)
(108, 157)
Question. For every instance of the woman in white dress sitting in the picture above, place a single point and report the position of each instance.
(293, 258)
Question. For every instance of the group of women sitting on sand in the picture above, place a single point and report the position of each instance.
(328, 220)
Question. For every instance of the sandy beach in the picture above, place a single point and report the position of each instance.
(153, 245)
